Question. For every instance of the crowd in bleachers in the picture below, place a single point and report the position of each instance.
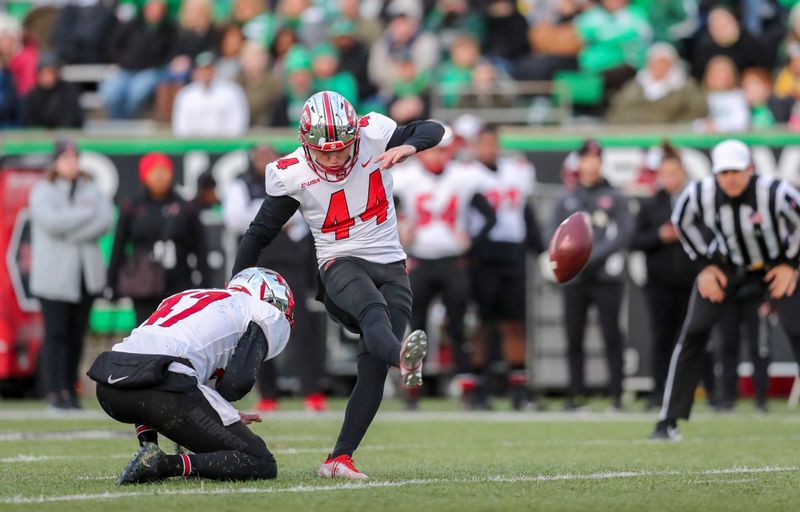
(713, 65)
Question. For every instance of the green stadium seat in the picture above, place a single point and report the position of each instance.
(580, 88)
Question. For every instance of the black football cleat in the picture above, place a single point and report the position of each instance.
(144, 466)
(665, 431)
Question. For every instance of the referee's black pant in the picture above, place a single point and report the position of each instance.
(686, 365)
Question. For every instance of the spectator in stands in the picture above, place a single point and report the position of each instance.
(455, 75)
(725, 37)
(299, 86)
(353, 57)
(553, 39)
(727, 105)
(196, 34)
(140, 48)
(69, 213)
(285, 40)
(403, 39)
(230, 47)
(490, 87)
(766, 109)
(614, 37)
(367, 30)
(261, 87)
(20, 56)
(162, 230)
(661, 92)
(506, 38)
(328, 77)
(53, 103)
(210, 107)
(410, 88)
(81, 31)
(9, 101)
(307, 18)
(450, 19)
(257, 22)
(674, 22)
(787, 84)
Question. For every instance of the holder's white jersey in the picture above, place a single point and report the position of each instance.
(508, 190)
(437, 206)
(204, 326)
(352, 217)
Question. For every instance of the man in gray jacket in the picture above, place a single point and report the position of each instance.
(69, 214)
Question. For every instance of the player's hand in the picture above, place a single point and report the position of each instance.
(248, 418)
(394, 156)
(463, 240)
(711, 283)
(782, 281)
(667, 233)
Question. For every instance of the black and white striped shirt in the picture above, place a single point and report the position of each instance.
(760, 228)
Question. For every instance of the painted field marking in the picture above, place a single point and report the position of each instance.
(355, 486)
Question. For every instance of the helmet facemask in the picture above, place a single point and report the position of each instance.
(329, 123)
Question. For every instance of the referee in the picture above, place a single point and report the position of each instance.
(744, 231)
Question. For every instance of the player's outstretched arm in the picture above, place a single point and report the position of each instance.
(420, 134)
(275, 211)
(240, 374)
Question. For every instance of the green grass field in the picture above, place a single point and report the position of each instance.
(437, 459)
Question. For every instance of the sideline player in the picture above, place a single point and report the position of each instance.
(744, 231)
(435, 196)
(499, 274)
(177, 373)
(336, 179)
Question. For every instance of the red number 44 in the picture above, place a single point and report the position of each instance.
(338, 219)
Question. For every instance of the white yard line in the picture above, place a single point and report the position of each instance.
(355, 486)
(82, 435)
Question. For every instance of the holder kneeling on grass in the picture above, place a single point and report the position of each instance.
(177, 373)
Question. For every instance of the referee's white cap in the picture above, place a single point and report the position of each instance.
(730, 155)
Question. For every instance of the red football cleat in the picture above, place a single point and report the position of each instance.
(340, 467)
(315, 402)
(267, 405)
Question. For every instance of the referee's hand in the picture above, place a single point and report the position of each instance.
(711, 283)
(782, 280)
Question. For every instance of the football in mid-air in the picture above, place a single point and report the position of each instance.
(571, 246)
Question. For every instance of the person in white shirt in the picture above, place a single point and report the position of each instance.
(209, 106)
(178, 371)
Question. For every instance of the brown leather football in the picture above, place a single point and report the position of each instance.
(571, 246)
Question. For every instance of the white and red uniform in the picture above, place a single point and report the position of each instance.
(352, 217)
(507, 189)
(437, 205)
(204, 326)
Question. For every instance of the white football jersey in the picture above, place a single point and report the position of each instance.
(508, 190)
(437, 206)
(204, 326)
(352, 217)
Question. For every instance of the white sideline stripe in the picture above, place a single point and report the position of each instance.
(22, 500)
(67, 435)
(439, 416)
(277, 451)
(76, 435)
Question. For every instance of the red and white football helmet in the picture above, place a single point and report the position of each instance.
(267, 285)
(329, 122)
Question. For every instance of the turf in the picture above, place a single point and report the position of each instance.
(437, 459)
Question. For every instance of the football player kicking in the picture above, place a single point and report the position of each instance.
(177, 373)
(336, 179)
